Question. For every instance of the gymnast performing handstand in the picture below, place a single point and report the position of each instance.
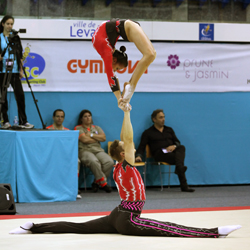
(104, 40)
(125, 219)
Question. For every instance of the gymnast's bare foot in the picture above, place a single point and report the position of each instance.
(127, 92)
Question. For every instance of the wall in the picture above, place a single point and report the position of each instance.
(214, 127)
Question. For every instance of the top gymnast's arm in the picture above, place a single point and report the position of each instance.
(117, 94)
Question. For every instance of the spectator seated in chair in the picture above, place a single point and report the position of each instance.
(91, 153)
(164, 146)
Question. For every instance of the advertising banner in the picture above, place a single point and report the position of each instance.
(75, 66)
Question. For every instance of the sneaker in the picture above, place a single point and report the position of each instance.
(107, 188)
(27, 125)
(78, 196)
(6, 125)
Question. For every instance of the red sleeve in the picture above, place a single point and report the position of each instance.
(108, 59)
(103, 47)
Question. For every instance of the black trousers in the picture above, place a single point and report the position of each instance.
(176, 158)
(125, 222)
(19, 95)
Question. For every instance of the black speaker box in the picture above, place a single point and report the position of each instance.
(7, 203)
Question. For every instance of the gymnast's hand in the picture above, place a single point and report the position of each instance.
(125, 106)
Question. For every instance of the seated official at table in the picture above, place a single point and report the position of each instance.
(58, 118)
(91, 153)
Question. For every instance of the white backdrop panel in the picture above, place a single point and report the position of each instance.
(75, 66)
(164, 31)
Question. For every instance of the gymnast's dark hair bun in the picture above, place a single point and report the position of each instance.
(122, 48)
(121, 56)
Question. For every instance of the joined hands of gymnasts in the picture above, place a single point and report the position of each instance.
(123, 102)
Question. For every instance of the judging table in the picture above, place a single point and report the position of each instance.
(40, 165)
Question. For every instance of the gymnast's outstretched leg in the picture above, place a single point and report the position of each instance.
(129, 223)
(136, 35)
(100, 225)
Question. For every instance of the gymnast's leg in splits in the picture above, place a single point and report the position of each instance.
(123, 221)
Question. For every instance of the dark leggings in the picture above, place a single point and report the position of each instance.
(127, 223)
(19, 95)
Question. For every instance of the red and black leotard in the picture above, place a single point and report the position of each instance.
(104, 40)
(130, 186)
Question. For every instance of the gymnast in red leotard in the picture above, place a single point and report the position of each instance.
(104, 40)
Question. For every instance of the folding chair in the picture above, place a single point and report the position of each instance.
(85, 171)
(148, 156)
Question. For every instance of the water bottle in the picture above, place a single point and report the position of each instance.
(15, 121)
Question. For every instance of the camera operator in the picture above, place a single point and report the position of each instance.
(6, 35)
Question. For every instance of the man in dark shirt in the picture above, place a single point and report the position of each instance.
(164, 146)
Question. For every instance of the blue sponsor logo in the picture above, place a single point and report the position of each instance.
(206, 32)
(34, 65)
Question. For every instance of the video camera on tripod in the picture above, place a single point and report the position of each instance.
(14, 33)
(13, 39)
